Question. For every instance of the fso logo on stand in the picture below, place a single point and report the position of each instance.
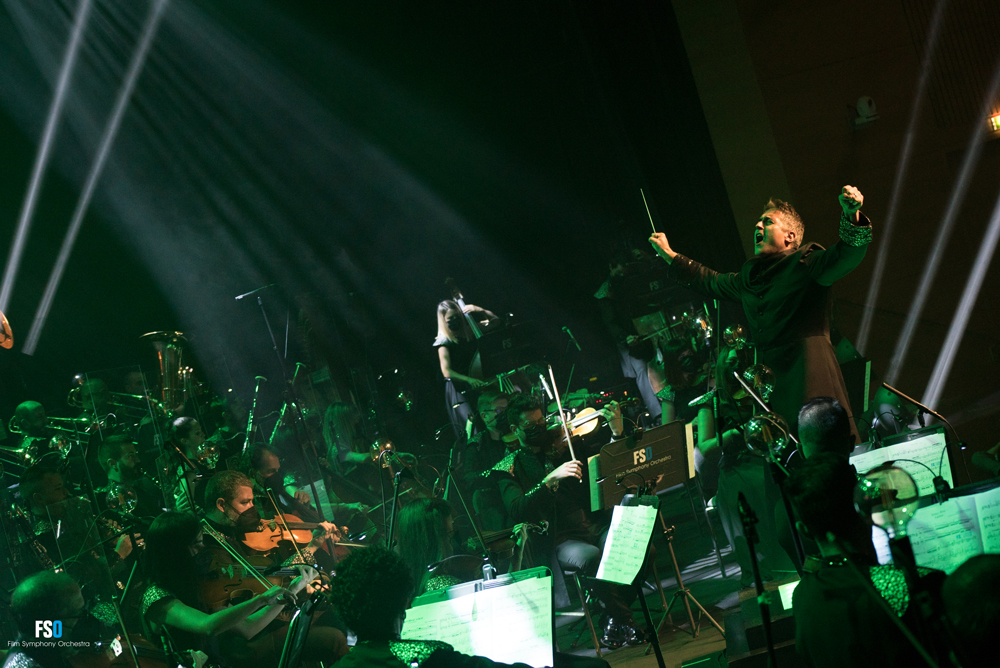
(642, 456)
(46, 628)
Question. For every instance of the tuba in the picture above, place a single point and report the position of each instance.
(169, 348)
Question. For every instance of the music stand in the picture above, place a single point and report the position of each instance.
(660, 459)
(298, 633)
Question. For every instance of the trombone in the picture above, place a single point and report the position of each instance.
(131, 405)
(64, 425)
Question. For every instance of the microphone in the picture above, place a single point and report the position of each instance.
(983, 461)
(572, 338)
(261, 379)
(253, 292)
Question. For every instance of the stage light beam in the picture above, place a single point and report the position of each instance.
(97, 167)
(42, 157)
(932, 393)
(885, 234)
(969, 162)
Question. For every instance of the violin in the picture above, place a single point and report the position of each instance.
(229, 583)
(293, 529)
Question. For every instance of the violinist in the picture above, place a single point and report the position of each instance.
(230, 510)
(174, 611)
(534, 488)
(458, 356)
(268, 476)
(120, 460)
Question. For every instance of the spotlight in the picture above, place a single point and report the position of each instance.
(107, 140)
(961, 319)
(969, 163)
(42, 157)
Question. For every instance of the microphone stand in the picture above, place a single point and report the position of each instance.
(930, 411)
(489, 569)
(749, 520)
(297, 420)
(778, 475)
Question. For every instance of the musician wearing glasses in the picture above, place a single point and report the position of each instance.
(230, 510)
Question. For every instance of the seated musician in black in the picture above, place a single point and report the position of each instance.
(175, 608)
(533, 488)
(837, 621)
(120, 460)
(45, 596)
(268, 474)
(187, 472)
(48, 500)
(485, 449)
(376, 613)
(230, 510)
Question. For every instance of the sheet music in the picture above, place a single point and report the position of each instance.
(469, 623)
(945, 535)
(988, 508)
(926, 449)
(625, 547)
(324, 497)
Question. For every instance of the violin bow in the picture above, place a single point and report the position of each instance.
(284, 524)
(251, 570)
(562, 417)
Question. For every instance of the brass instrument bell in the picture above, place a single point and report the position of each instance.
(761, 379)
(121, 498)
(768, 436)
(735, 336)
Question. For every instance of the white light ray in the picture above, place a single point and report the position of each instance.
(42, 157)
(969, 163)
(932, 393)
(885, 231)
(104, 148)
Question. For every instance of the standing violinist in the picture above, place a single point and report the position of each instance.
(458, 355)
(534, 488)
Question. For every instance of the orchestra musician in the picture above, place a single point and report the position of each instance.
(458, 356)
(534, 488)
(634, 353)
(120, 460)
(44, 597)
(174, 612)
(187, 472)
(31, 419)
(484, 450)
